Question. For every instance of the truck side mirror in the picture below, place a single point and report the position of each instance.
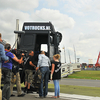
(19, 32)
(51, 39)
(59, 37)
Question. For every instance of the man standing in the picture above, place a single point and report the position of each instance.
(44, 64)
(5, 58)
(6, 71)
(29, 67)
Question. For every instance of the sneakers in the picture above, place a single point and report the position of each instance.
(54, 97)
(40, 97)
(21, 95)
(25, 89)
(12, 95)
(29, 91)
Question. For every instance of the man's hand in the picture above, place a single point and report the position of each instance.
(20, 61)
(22, 54)
(34, 66)
(6, 61)
(37, 68)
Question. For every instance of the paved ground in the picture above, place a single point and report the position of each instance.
(34, 96)
(77, 82)
(80, 82)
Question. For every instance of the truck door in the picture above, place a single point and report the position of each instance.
(27, 41)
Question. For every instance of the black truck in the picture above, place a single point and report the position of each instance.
(36, 36)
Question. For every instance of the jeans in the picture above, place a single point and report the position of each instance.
(6, 88)
(45, 77)
(57, 87)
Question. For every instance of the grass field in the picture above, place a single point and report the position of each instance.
(86, 75)
(80, 90)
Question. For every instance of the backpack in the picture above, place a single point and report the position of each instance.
(37, 79)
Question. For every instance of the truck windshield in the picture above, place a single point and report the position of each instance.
(44, 47)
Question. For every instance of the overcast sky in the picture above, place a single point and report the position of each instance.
(77, 20)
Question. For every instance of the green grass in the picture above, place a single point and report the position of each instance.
(86, 75)
(79, 90)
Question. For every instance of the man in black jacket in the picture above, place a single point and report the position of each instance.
(29, 67)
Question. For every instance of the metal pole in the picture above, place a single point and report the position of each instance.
(17, 29)
(74, 53)
(64, 54)
(69, 57)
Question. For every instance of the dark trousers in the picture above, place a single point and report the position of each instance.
(45, 77)
(6, 88)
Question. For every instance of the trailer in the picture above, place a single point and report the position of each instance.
(66, 69)
(76, 67)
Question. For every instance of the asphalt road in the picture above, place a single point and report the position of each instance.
(80, 82)
(77, 82)
(34, 96)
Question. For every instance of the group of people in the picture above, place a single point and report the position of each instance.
(6, 62)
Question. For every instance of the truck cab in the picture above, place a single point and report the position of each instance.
(38, 36)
